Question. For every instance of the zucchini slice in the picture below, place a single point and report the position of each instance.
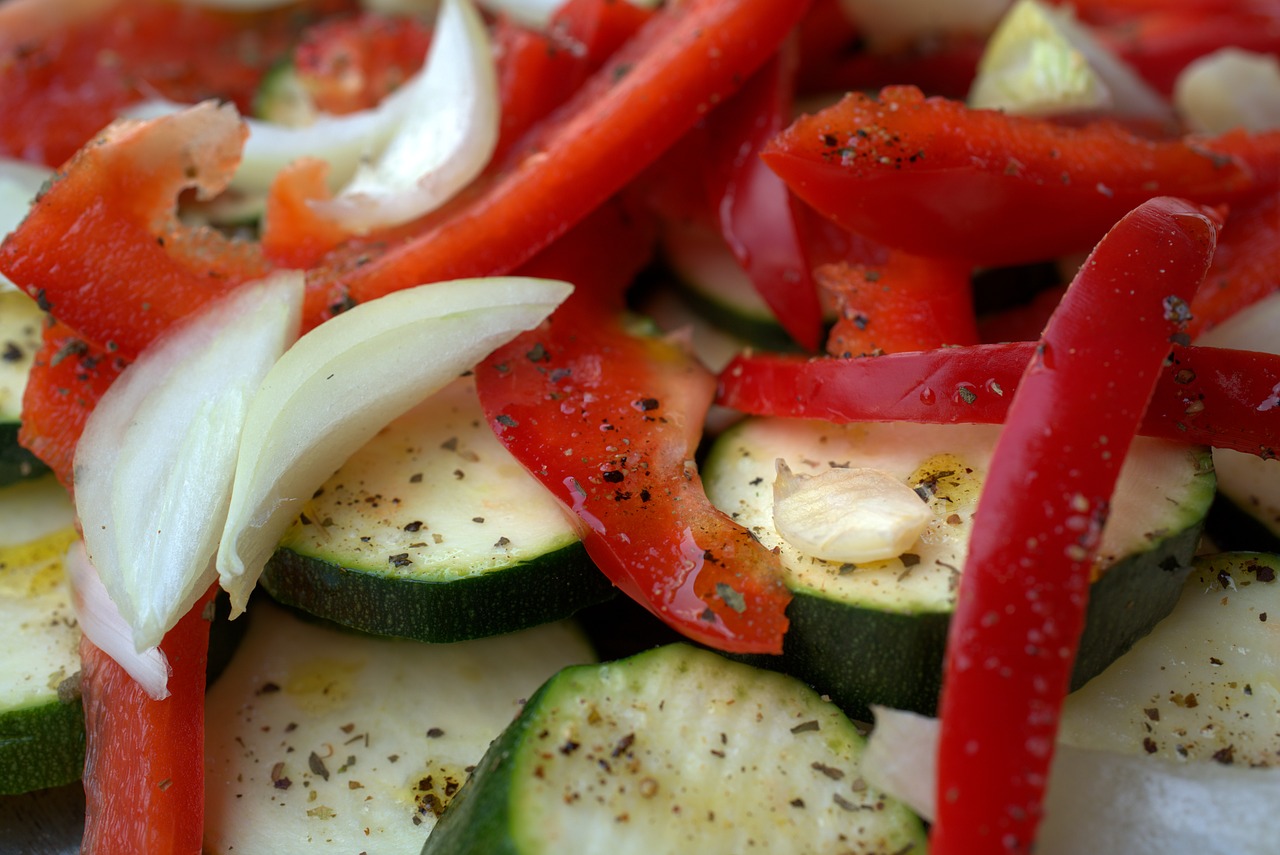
(323, 740)
(1204, 684)
(41, 719)
(20, 323)
(874, 633)
(674, 750)
(434, 532)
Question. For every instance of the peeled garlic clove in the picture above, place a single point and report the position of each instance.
(847, 515)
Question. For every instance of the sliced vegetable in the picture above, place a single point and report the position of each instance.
(341, 383)
(934, 178)
(654, 754)
(887, 25)
(19, 184)
(143, 773)
(169, 429)
(41, 720)
(308, 749)
(21, 323)
(446, 137)
(1230, 88)
(432, 531)
(1024, 591)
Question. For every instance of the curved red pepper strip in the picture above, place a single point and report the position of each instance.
(690, 56)
(1021, 604)
(608, 421)
(1203, 395)
(1246, 266)
(934, 178)
(104, 252)
(754, 207)
(144, 766)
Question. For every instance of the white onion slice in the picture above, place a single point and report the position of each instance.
(444, 143)
(888, 25)
(1102, 801)
(1230, 88)
(153, 468)
(19, 183)
(102, 624)
(344, 381)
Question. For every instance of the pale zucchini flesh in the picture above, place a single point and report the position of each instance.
(433, 531)
(321, 740)
(674, 750)
(21, 322)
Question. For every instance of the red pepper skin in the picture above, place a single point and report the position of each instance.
(1245, 268)
(1021, 604)
(754, 207)
(934, 178)
(688, 57)
(67, 378)
(630, 410)
(103, 251)
(144, 767)
(1204, 396)
(70, 66)
(908, 303)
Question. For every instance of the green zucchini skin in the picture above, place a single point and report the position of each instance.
(44, 744)
(887, 647)
(674, 749)
(549, 588)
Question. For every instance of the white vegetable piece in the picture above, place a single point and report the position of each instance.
(852, 515)
(345, 380)
(444, 142)
(1230, 88)
(1041, 61)
(1099, 801)
(153, 467)
(889, 25)
(19, 183)
(102, 623)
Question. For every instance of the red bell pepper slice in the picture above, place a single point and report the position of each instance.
(608, 421)
(1204, 396)
(754, 207)
(908, 303)
(1246, 266)
(687, 58)
(1021, 604)
(351, 63)
(70, 66)
(932, 177)
(104, 252)
(144, 762)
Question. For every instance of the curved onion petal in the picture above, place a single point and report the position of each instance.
(345, 380)
(19, 183)
(1101, 801)
(153, 468)
(1230, 88)
(102, 624)
(888, 25)
(444, 143)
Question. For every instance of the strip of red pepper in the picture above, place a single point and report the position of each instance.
(688, 58)
(1203, 396)
(935, 178)
(1021, 604)
(144, 766)
(754, 207)
(608, 421)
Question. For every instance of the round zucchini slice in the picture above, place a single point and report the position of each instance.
(434, 532)
(20, 324)
(874, 632)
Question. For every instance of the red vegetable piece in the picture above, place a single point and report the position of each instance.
(1206, 396)
(608, 421)
(67, 378)
(352, 63)
(144, 766)
(70, 66)
(934, 178)
(908, 303)
(754, 206)
(1023, 592)
(1246, 266)
(653, 89)
(102, 248)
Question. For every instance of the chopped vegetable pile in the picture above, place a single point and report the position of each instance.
(271, 232)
